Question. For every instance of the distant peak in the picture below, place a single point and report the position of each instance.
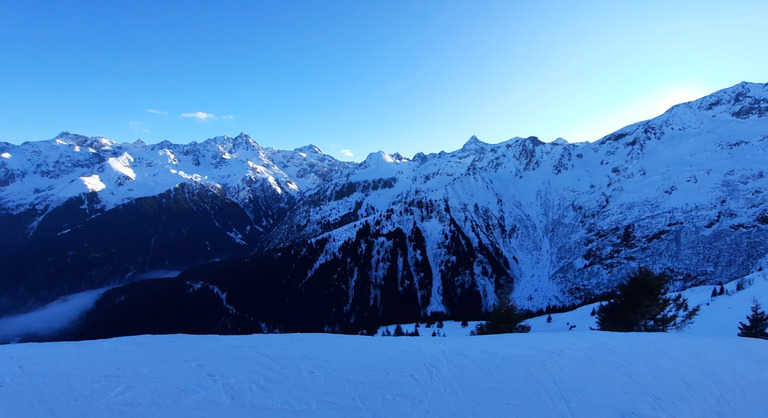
(378, 156)
(560, 141)
(473, 143)
(95, 142)
(535, 141)
(241, 141)
(398, 157)
(243, 136)
(309, 149)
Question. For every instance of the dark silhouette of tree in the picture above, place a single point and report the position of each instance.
(414, 333)
(398, 331)
(503, 319)
(641, 305)
(756, 325)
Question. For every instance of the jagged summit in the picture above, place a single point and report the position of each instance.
(309, 149)
(473, 144)
(95, 142)
(242, 142)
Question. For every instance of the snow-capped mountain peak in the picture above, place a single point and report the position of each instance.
(473, 143)
(309, 149)
(96, 143)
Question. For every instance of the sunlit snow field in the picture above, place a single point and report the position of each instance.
(703, 371)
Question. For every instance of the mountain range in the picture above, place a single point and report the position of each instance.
(225, 236)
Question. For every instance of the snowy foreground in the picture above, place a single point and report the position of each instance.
(538, 374)
(704, 371)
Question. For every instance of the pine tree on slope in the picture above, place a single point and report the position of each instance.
(503, 319)
(641, 305)
(756, 325)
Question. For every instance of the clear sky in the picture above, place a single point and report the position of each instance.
(354, 77)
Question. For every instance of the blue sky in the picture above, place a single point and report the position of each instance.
(355, 77)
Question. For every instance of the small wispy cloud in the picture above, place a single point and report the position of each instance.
(347, 153)
(134, 123)
(228, 117)
(199, 115)
(156, 112)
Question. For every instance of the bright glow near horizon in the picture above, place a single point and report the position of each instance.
(357, 77)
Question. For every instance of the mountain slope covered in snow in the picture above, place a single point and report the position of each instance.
(343, 244)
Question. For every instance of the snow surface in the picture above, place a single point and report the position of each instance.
(546, 374)
(93, 183)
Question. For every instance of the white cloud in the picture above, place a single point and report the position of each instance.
(347, 153)
(134, 123)
(199, 115)
(156, 112)
(228, 117)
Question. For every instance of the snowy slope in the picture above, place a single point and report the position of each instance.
(543, 375)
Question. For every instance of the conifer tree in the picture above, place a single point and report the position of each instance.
(502, 320)
(757, 323)
(641, 305)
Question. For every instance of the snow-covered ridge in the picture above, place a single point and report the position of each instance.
(46, 173)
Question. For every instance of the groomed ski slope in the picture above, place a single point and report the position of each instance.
(538, 374)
